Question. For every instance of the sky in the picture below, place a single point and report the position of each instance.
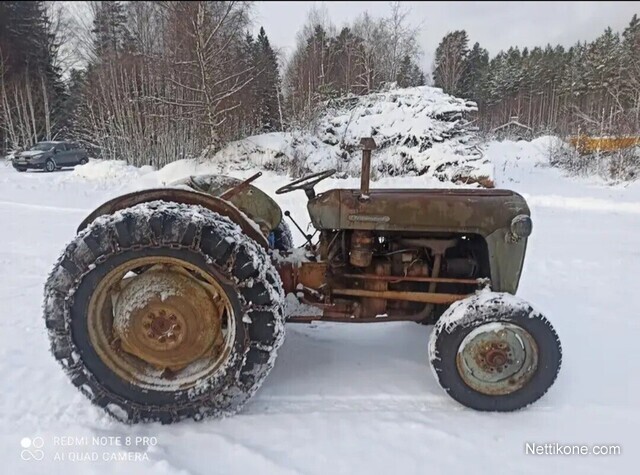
(495, 25)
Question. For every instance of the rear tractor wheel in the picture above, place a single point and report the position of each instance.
(164, 311)
(494, 352)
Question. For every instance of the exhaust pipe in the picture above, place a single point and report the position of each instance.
(367, 144)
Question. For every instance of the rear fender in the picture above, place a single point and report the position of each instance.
(178, 195)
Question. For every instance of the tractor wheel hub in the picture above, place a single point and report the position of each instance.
(166, 318)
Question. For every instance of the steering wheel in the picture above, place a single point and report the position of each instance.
(306, 183)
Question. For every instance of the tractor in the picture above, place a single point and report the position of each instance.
(169, 303)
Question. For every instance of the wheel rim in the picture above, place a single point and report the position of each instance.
(161, 323)
(50, 166)
(497, 358)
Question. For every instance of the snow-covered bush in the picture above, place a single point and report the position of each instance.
(418, 131)
(619, 165)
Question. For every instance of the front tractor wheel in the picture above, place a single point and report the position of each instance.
(164, 311)
(494, 352)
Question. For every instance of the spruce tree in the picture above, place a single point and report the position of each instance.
(267, 84)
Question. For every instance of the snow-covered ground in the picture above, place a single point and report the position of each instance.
(344, 399)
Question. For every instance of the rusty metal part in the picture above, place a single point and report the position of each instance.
(176, 195)
(427, 311)
(166, 318)
(132, 330)
(399, 278)
(367, 144)
(437, 263)
(425, 297)
(376, 306)
(497, 358)
(349, 319)
(231, 192)
(308, 274)
(361, 248)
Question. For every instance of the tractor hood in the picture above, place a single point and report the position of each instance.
(434, 210)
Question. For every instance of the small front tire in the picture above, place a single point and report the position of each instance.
(49, 166)
(494, 352)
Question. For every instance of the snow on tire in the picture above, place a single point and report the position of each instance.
(214, 249)
(494, 352)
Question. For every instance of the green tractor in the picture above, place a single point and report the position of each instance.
(170, 303)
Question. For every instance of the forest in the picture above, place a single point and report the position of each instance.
(161, 81)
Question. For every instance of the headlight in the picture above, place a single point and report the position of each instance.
(521, 226)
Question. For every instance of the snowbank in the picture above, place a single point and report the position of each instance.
(419, 131)
(108, 170)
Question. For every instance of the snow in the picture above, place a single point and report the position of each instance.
(108, 171)
(347, 398)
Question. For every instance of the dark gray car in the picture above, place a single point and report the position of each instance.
(50, 156)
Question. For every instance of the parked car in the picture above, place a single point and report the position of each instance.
(50, 156)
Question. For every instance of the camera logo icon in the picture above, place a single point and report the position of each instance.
(31, 448)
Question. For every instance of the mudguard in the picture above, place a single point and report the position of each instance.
(177, 195)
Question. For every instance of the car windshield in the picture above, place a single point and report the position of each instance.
(43, 146)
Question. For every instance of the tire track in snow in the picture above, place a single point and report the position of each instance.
(364, 404)
(360, 404)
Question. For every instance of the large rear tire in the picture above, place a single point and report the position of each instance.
(494, 352)
(134, 251)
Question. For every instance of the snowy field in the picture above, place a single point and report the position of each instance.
(344, 399)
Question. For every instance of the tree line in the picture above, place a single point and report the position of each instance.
(591, 87)
(166, 80)
(358, 59)
(162, 81)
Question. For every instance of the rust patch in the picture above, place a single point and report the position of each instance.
(426, 297)
(361, 248)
